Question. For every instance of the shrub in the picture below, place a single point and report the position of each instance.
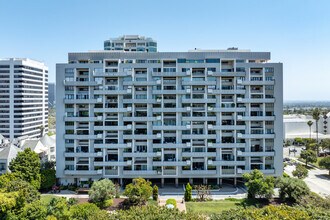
(258, 185)
(292, 189)
(108, 203)
(188, 193)
(101, 191)
(87, 211)
(171, 201)
(155, 193)
(139, 191)
(325, 163)
(301, 172)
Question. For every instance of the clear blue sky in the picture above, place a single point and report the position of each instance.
(296, 32)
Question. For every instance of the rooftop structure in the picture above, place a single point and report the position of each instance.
(131, 43)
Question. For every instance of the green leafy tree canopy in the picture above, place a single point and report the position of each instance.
(26, 166)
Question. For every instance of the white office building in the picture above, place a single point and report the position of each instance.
(170, 117)
(23, 98)
(131, 43)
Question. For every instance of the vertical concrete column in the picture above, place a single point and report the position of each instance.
(220, 181)
(162, 182)
(176, 182)
(235, 181)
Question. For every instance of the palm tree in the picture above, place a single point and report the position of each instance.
(310, 123)
(316, 116)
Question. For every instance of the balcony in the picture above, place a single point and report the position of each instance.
(83, 172)
(199, 172)
(81, 83)
(140, 172)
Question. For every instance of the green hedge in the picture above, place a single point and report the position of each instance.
(171, 201)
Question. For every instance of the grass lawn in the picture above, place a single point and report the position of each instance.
(212, 207)
(45, 199)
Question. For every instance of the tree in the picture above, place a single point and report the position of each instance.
(301, 172)
(325, 144)
(309, 156)
(188, 193)
(139, 191)
(155, 193)
(292, 189)
(26, 192)
(258, 185)
(33, 211)
(48, 179)
(58, 207)
(155, 212)
(7, 203)
(101, 191)
(310, 123)
(26, 166)
(316, 116)
(325, 163)
(203, 192)
(87, 211)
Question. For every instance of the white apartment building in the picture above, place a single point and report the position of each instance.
(23, 97)
(170, 117)
(131, 43)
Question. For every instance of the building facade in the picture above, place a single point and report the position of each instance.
(131, 43)
(51, 94)
(171, 117)
(23, 98)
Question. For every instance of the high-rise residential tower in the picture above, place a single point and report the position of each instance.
(131, 43)
(171, 117)
(51, 94)
(23, 98)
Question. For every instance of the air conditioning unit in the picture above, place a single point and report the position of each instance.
(159, 117)
(239, 135)
(129, 163)
(159, 135)
(188, 144)
(159, 100)
(188, 73)
(210, 73)
(99, 136)
(99, 118)
(129, 126)
(239, 99)
(129, 90)
(210, 162)
(188, 126)
(188, 90)
(239, 81)
(239, 117)
(239, 170)
(188, 108)
(129, 144)
(209, 144)
(129, 109)
(209, 108)
(158, 82)
(159, 153)
(188, 162)
(209, 90)
(239, 153)
(99, 100)
(209, 126)
(99, 154)
(99, 171)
